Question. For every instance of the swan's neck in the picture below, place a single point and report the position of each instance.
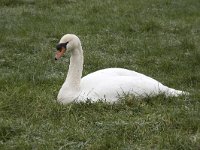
(75, 69)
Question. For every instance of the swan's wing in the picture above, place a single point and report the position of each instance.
(110, 88)
(113, 72)
(116, 74)
(111, 83)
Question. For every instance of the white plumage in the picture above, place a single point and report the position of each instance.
(107, 84)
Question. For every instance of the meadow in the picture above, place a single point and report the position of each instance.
(158, 38)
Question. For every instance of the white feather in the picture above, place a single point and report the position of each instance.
(107, 84)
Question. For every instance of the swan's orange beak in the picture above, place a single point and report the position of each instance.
(60, 53)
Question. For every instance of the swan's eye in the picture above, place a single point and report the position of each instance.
(61, 45)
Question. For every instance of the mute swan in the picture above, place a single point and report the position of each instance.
(107, 84)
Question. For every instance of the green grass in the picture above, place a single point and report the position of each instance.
(157, 38)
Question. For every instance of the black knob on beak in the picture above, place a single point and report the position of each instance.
(61, 45)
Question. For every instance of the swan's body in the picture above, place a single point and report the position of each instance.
(107, 84)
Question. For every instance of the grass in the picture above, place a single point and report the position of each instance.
(157, 38)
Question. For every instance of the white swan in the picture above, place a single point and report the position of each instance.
(107, 84)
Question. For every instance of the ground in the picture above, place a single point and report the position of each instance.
(157, 38)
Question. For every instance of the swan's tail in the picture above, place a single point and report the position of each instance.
(176, 93)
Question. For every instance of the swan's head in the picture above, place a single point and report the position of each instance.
(67, 43)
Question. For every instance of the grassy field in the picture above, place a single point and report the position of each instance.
(158, 38)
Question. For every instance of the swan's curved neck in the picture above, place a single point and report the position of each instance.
(75, 69)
